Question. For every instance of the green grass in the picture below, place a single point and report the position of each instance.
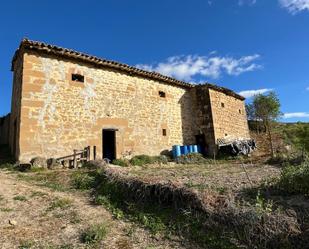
(295, 179)
(159, 219)
(6, 209)
(95, 233)
(45, 179)
(26, 244)
(37, 194)
(60, 203)
(82, 180)
(20, 198)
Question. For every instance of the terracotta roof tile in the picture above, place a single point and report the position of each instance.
(44, 48)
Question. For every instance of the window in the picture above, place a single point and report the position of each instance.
(164, 132)
(222, 104)
(162, 94)
(239, 111)
(225, 134)
(78, 78)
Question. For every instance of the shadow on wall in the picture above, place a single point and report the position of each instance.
(190, 128)
(5, 129)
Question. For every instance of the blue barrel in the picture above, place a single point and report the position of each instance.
(195, 148)
(184, 150)
(176, 151)
(199, 149)
(190, 148)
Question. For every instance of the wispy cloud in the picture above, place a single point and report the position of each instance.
(249, 2)
(251, 93)
(307, 88)
(212, 66)
(295, 6)
(296, 115)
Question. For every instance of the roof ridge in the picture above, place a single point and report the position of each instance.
(61, 51)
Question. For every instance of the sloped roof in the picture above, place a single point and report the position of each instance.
(45, 48)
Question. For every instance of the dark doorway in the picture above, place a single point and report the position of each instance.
(109, 144)
(200, 140)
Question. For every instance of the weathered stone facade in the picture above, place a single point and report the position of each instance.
(53, 115)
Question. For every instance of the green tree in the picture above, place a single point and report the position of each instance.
(266, 108)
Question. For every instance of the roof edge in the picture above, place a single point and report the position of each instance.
(44, 48)
(223, 90)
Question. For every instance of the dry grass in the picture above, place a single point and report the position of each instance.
(55, 215)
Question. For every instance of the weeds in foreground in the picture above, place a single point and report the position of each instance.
(295, 179)
(6, 209)
(95, 233)
(61, 203)
(26, 244)
(20, 198)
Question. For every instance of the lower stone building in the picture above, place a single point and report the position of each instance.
(64, 100)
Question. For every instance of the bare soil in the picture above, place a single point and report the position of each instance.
(29, 218)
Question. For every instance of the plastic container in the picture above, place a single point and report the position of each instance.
(176, 151)
(195, 148)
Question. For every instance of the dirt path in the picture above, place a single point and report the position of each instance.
(33, 216)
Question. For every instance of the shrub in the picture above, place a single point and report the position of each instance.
(82, 180)
(94, 234)
(141, 160)
(295, 179)
(121, 162)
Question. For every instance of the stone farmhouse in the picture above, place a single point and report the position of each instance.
(64, 100)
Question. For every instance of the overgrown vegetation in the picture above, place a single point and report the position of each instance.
(295, 179)
(95, 233)
(61, 203)
(141, 160)
(82, 180)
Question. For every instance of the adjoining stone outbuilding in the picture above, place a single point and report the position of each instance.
(64, 100)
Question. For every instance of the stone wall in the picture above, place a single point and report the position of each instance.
(15, 118)
(229, 116)
(59, 115)
(4, 129)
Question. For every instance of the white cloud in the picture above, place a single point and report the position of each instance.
(251, 93)
(213, 66)
(295, 6)
(296, 115)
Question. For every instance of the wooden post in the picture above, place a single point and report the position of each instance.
(74, 160)
(88, 153)
(94, 152)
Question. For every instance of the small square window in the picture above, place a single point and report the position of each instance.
(162, 94)
(226, 134)
(164, 132)
(78, 78)
(222, 104)
(239, 111)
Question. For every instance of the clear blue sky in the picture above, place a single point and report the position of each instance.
(245, 45)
